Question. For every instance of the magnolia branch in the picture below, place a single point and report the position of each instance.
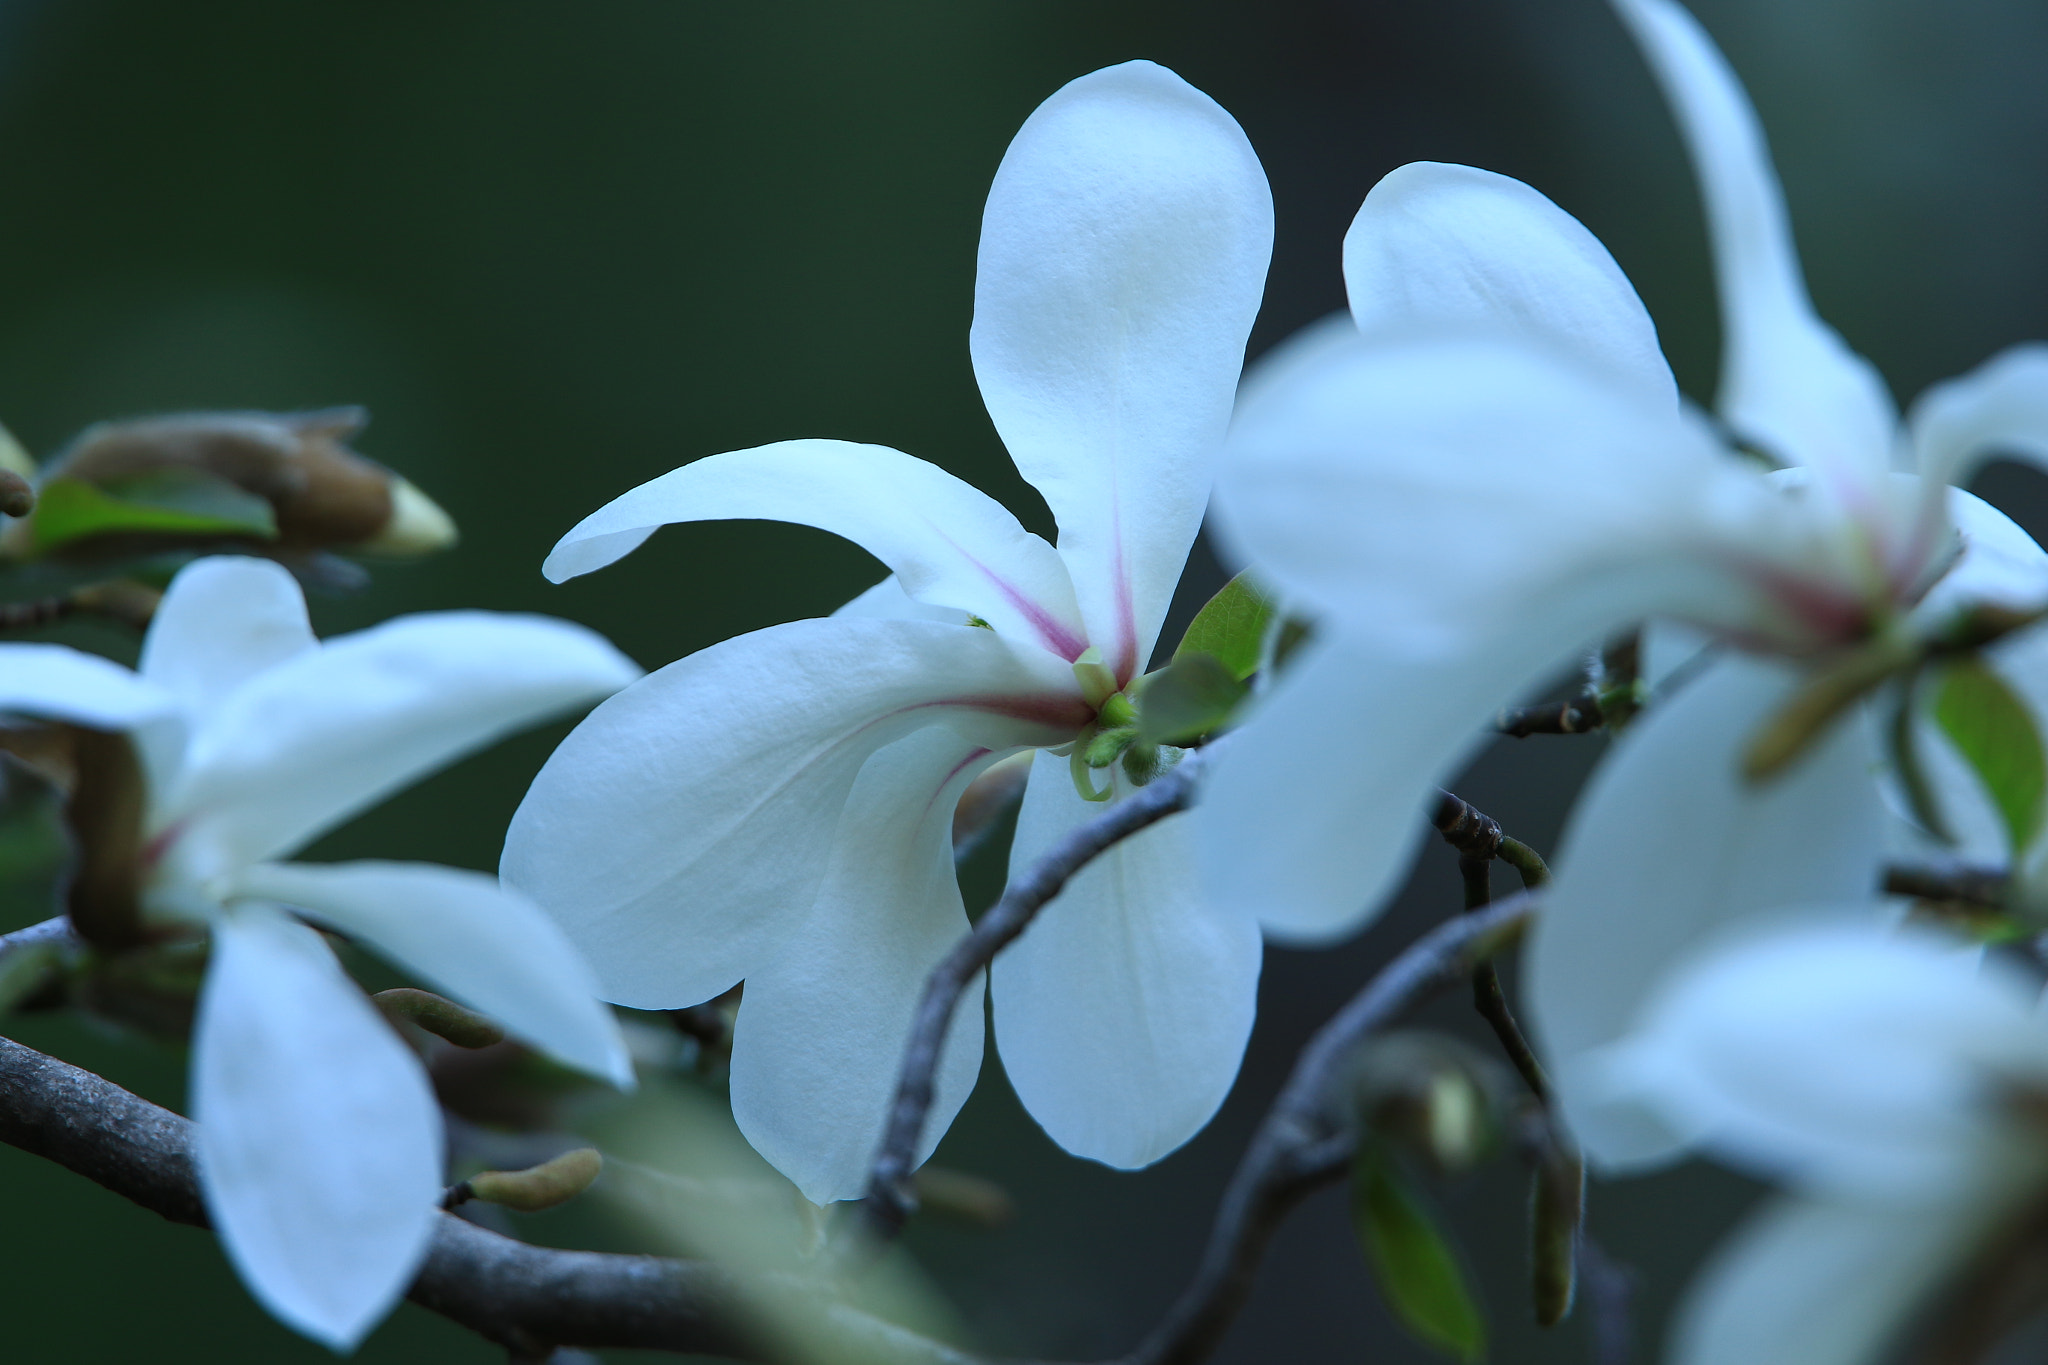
(1308, 1137)
(526, 1298)
(530, 1299)
(890, 1198)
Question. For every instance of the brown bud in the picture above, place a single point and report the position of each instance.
(101, 780)
(320, 494)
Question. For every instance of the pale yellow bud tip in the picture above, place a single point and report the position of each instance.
(417, 526)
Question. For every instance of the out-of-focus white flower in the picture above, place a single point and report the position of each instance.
(1891, 1080)
(777, 808)
(1493, 471)
(319, 1140)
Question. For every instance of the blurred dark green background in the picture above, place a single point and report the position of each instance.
(558, 249)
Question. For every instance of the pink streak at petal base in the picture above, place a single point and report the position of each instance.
(1051, 633)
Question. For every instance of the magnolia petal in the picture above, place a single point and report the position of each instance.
(1821, 1282)
(948, 543)
(325, 734)
(2001, 407)
(1667, 845)
(687, 824)
(887, 601)
(1839, 1055)
(57, 682)
(1122, 1013)
(1123, 256)
(482, 943)
(224, 620)
(1445, 245)
(1788, 382)
(318, 1138)
(819, 1039)
(1429, 491)
(1310, 817)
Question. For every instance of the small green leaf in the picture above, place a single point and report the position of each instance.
(1230, 627)
(1996, 734)
(1417, 1270)
(1189, 697)
(169, 501)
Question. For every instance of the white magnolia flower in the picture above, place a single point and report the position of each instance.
(319, 1140)
(1892, 1080)
(776, 808)
(1493, 471)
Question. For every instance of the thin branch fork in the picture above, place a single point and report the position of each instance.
(890, 1198)
(1307, 1139)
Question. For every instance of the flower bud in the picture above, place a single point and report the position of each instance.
(286, 483)
(17, 478)
(1432, 1094)
(99, 777)
(538, 1187)
(439, 1016)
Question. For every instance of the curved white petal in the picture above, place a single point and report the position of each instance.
(1122, 1012)
(1445, 245)
(57, 682)
(484, 944)
(1431, 490)
(887, 601)
(318, 1138)
(1821, 1282)
(684, 825)
(2001, 407)
(1838, 1055)
(223, 620)
(819, 1039)
(1667, 845)
(304, 745)
(1123, 255)
(1310, 817)
(948, 543)
(1787, 380)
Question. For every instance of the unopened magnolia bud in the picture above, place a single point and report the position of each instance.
(100, 779)
(539, 1187)
(1431, 1093)
(17, 495)
(971, 1198)
(1557, 1204)
(286, 483)
(440, 1016)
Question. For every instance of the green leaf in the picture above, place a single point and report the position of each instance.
(1230, 626)
(1417, 1270)
(1995, 732)
(1189, 697)
(169, 501)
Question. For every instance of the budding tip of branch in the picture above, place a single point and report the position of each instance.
(539, 1187)
(440, 1016)
(17, 494)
